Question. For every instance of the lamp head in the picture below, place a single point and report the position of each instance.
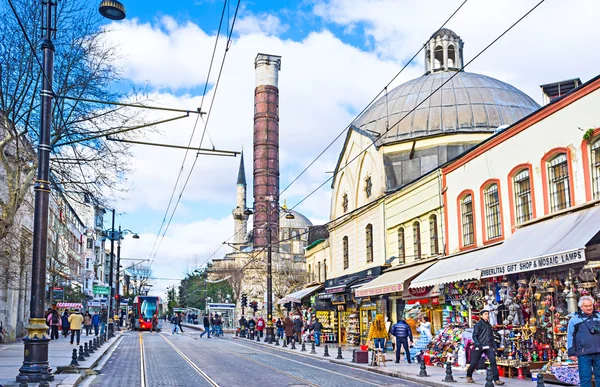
(136, 236)
(248, 212)
(289, 215)
(112, 9)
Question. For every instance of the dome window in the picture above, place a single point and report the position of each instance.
(451, 57)
(438, 58)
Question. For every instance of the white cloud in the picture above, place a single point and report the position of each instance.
(265, 23)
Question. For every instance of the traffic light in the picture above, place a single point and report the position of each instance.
(254, 306)
(244, 300)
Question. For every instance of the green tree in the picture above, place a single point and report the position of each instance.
(197, 287)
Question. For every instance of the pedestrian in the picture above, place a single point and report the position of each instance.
(122, 320)
(179, 320)
(53, 321)
(46, 316)
(212, 323)
(251, 327)
(403, 334)
(317, 327)
(154, 326)
(175, 323)
(378, 333)
(96, 322)
(103, 321)
(279, 325)
(64, 322)
(75, 323)
(424, 328)
(218, 325)
(298, 325)
(288, 327)
(583, 341)
(206, 323)
(260, 326)
(132, 321)
(87, 322)
(483, 338)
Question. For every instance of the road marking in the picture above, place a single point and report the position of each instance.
(142, 361)
(312, 366)
(187, 359)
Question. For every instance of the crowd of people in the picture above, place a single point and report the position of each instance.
(72, 322)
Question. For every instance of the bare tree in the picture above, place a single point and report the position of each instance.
(140, 278)
(234, 274)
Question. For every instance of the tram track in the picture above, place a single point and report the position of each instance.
(190, 362)
(142, 362)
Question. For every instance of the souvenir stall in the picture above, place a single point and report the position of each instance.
(326, 313)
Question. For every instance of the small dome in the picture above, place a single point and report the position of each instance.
(299, 221)
(468, 103)
(444, 32)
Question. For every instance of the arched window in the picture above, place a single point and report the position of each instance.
(401, 248)
(417, 240)
(345, 249)
(451, 56)
(369, 240)
(522, 194)
(438, 59)
(558, 183)
(466, 214)
(493, 221)
(433, 235)
(595, 165)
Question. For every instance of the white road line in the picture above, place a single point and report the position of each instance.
(142, 361)
(208, 378)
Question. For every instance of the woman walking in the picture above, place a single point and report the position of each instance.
(288, 327)
(87, 323)
(53, 321)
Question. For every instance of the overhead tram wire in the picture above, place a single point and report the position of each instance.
(193, 130)
(420, 103)
(372, 100)
(228, 44)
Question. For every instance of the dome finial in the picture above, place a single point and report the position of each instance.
(444, 52)
(284, 204)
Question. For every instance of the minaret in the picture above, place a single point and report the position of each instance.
(266, 148)
(239, 218)
(444, 52)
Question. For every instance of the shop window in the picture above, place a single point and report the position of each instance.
(345, 202)
(368, 186)
(401, 249)
(595, 165)
(345, 249)
(493, 220)
(468, 228)
(522, 189)
(433, 237)
(369, 237)
(558, 181)
(417, 240)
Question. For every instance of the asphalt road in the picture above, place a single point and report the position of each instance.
(153, 360)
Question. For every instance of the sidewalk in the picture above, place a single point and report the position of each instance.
(401, 370)
(59, 355)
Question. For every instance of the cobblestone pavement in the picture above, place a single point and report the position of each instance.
(186, 360)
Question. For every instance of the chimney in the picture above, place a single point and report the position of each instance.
(266, 148)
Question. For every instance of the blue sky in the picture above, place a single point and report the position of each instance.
(336, 56)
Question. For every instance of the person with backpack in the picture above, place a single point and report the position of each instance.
(260, 326)
(53, 321)
(583, 341)
(206, 323)
(96, 322)
(175, 323)
(64, 322)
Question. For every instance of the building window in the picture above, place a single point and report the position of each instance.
(558, 173)
(596, 168)
(522, 184)
(345, 248)
(468, 229)
(433, 237)
(368, 186)
(401, 249)
(345, 202)
(324, 270)
(90, 243)
(369, 237)
(319, 271)
(417, 240)
(492, 212)
(310, 273)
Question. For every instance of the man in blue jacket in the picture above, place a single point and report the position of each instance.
(583, 341)
(401, 330)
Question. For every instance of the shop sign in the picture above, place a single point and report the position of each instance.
(325, 296)
(429, 291)
(101, 290)
(338, 299)
(535, 264)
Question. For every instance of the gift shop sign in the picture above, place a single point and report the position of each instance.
(546, 262)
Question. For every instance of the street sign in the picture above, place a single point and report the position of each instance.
(101, 290)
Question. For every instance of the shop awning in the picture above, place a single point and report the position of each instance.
(69, 305)
(549, 243)
(341, 285)
(299, 295)
(391, 281)
(458, 267)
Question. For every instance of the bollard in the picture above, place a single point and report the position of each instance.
(423, 368)
(277, 341)
(489, 378)
(326, 353)
(86, 352)
(257, 336)
(339, 356)
(449, 378)
(22, 379)
(91, 347)
(96, 345)
(354, 356)
(293, 344)
(81, 357)
(303, 349)
(74, 362)
(540, 382)
(312, 349)
(44, 379)
(284, 343)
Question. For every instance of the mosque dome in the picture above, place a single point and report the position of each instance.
(299, 221)
(467, 103)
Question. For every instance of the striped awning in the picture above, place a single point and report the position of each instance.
(69, 305)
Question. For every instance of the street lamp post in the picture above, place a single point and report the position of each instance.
(270, 331)
(35, 359)
(120, 235)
